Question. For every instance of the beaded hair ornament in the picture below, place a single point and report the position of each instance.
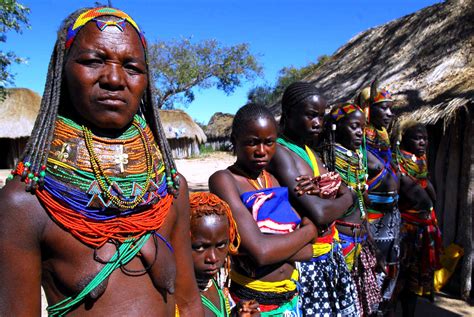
(344, 110)
(94, 15)
(371, 95)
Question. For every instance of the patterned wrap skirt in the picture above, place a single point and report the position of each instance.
(420, 246)
(360, 257)
(327, 288)
(384, 225)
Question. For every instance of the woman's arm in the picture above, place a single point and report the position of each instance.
(413, 195)
(320, 211)
(21, 226)
(187, 293)
(264, 249)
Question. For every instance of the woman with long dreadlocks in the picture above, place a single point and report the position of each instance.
(382, 211)
(344, 152)
(327, 287)
(273, 235)
(105, 225)
(420, 235)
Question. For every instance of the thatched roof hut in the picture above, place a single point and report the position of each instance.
(218, 130)
(183, 134)
(17, 117)
(427, 60)
(18, 113)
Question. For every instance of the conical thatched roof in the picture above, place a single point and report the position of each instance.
(178, 124)
(18, 113)
(426, 59)
(219, 126)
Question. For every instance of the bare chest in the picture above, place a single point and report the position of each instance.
(68, 266)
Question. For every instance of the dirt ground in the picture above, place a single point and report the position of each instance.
(197, 172)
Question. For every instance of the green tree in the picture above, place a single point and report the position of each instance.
(13, 16)
(268, 95)
(262, 95)
(179, 66)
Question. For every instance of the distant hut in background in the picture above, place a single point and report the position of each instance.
(427, 60)
(183, 134)
(17, 116)
(218, 131)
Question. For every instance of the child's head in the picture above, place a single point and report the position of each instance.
(254, 133)
(213, 233)
(303, 110)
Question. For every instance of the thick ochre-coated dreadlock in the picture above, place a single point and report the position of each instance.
(205, 204)
(35, 155)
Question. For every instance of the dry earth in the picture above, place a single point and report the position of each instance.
(197, 172)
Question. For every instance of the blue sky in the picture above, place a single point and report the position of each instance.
(281, 32)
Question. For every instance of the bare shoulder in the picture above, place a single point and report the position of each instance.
(19, 206)
(220, 177)
(282, 158)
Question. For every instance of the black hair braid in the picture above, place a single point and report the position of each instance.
(158, 131)
(328, 144)
(35, 154)
(40, 118)
(295, 93)
(248, 113)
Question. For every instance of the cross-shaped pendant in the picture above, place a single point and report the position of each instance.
(121, 158)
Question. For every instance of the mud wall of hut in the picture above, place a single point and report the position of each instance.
(451, 151)
(219, 144)
(184, 147)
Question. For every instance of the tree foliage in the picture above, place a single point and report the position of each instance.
(268, 95)
(13, 17)
(179, 66)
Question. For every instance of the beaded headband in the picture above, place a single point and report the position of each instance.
(382, 95)
(93, 14)
(344, 110)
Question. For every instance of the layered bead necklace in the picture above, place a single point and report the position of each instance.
(414, 166)
(352, 167)
(378, 143)
(102, 189)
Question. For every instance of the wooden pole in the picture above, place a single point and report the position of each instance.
(466, 194)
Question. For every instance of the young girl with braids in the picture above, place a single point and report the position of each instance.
(420, 235)
(327, 287)
(105, 225)
(213, 236)
(273, 235)
(344, 152)
(382, 211)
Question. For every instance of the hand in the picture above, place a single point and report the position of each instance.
(329, 184)
(248, 308)
(306, 185)
(425, 214)
(380, 266)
